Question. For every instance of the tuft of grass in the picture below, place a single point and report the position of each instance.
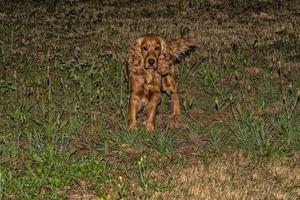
(164, 143)
(287, 46)
(144, 176)
(215, 135)
(126, 137)
(1, 185)
(274, 136)
(254, 137)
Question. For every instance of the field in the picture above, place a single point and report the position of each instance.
(64, 97)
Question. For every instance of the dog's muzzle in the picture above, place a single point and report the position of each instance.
(151, 63)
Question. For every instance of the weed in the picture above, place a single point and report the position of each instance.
(122, 188)
(1, 186)
(133, 138)
(164, 143)
(210, 75)
(216, 135)
(143, 176)
(254, 137)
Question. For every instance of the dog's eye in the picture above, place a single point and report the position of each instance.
(157, 48)
(145, 48)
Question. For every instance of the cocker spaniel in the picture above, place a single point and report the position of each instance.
(151, 70)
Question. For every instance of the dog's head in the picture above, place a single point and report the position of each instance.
(147, 51)
(151, 49)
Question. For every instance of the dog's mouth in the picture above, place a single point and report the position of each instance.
(150, 66)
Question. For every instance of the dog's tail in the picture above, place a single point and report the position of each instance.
(181, 47)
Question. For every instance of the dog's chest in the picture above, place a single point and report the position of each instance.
(151, 82)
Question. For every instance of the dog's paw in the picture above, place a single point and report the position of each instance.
(131, 126)
(149, 126)
(175, 115)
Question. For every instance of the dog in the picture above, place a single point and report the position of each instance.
(150, 71)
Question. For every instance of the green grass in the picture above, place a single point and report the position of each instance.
(164, 143)
(64, 96)
(49, 171)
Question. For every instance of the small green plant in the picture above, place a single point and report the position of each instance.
(290, 105)
(164, 143)
(287, 46)
(1, 186)
(210, 76)
(241, 59)
(143, 176)
(254, 137)
(263, 137)
(216, 135)
(122, 187)
(126, 137)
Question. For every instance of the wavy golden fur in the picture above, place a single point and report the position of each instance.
(150, 71)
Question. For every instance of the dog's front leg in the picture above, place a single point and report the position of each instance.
(151, 110)
(170, 87)
(133, 108)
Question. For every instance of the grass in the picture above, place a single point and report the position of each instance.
(63, 102)
(164, 143)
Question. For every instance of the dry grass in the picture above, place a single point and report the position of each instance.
(235, 177)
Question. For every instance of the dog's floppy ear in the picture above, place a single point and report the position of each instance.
(165, 59)
(164, 46)
(134, 57)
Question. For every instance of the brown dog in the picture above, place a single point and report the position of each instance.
(150, 71)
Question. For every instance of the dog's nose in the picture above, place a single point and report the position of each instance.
(151, 61)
